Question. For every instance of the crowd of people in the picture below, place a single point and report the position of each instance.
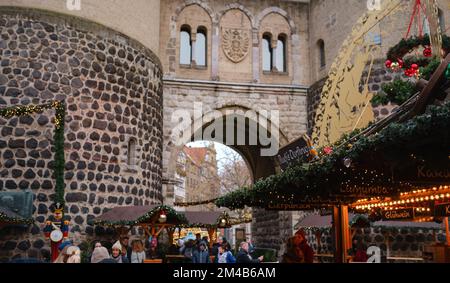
(192, 251)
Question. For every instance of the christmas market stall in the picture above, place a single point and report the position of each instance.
(407, 151)
(153, 219)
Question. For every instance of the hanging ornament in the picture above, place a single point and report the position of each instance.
(347, 162)
(428, 52)
(328, 150)
(162, 217)
(388, 64)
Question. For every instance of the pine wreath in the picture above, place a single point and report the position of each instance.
(405, 46)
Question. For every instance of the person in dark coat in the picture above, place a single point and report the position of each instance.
(301, 242)
(244, 257)
(201, 255)
(293, 252)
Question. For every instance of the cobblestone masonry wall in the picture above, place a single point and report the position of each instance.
(113, 90)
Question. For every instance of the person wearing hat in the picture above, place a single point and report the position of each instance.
(116, 253)
(302, 244)
(62, 256)
(101, 255)
(74, 254)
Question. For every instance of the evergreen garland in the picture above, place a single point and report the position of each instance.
(407, 45)
(318, 181)
(172, 216)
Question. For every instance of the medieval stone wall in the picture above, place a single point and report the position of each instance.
(112, 86)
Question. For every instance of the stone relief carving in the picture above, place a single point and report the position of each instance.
(235, 43)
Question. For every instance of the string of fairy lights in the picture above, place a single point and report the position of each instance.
(419, 199)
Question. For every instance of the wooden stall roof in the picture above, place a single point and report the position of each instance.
(133, 215)
(319, 221)
(210, 218)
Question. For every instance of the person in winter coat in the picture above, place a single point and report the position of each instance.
(359, 252)
(188, 250)
(116, 253)
(300, 242)
(126, 248)
(244, 257)
(73, 254)
(225, 255)
(201, 255)
(137, 253)
(101, 255)
(293, 252)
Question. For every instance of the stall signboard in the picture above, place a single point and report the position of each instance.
(398, 214)
(442, 210)
(295, 152)
(435, 173)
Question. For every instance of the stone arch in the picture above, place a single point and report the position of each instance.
(246, 154)
(279, 11)
(237, 6)
(199, 3)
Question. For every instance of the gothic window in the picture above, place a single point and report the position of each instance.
(201, 47)
(281, 54)
(131, 155)
(267, 52)
(322, 58)
(185, 45)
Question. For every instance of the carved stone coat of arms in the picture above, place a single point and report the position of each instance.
(235, 43)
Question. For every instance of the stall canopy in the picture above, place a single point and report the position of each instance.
(136, 215)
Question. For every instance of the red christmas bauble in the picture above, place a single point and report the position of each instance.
(400, 63)
(414, 66)
(427, 52)
(388, 64)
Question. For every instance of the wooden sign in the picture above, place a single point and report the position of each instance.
(365, 192)
(297, 151)
(398, 214)
(435, 174)
(442, 210)
(291, 207)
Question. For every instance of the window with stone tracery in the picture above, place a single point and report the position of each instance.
(185, 45)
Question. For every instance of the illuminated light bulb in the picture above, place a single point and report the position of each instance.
(442, 196)
(428, 209)
(434, 189)
(447, 195)
(436, 197)
(407, 201)
(432, 197)
(421, 199)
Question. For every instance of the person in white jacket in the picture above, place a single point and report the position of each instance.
(138, 253)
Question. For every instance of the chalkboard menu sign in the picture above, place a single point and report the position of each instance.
(297, 151)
